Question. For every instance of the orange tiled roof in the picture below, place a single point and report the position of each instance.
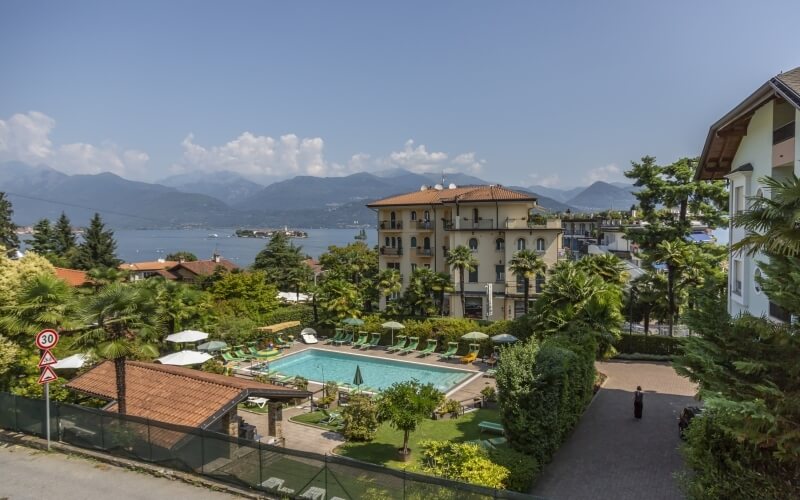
(74, 277)
(174, 394)
(155, 265)
(459, 194)
(204, 267)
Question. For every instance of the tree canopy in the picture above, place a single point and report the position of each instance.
(98, 248)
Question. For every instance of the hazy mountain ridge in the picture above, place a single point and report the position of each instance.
(224, 185)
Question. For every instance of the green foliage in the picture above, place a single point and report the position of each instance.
(245, 293)
(450, 406)
(339, 299)
(181, 256)
(360, 418)
(98, 248)
(14, 272)
(405, 404)
(8, 235)
(771, 225)
(527, 263)
(41, 301)
(9, 355)
(489, 393)
(649, 344)
(463, 462)
(356, 264)
(235, 329)
(301, 383)
(418, 298)
(43, 243)
(522, 468)
(609, 267)
(213, 366)
(462, 260)
(283, 263)
(64, 243)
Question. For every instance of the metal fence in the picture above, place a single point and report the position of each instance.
(280, 472)
(656, 329)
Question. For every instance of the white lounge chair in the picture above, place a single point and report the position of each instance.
(309, 336)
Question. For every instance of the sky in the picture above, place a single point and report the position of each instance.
(557, 93)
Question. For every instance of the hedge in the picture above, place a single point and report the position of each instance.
(649, 344)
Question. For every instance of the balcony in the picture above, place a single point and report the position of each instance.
(391, 251)
(422, 225)
(391, 225)
(783, 141)
(535, 222)
(424, 252)
(469, 225)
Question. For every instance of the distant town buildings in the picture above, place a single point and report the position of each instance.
(185, 271)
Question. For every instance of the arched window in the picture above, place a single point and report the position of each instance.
(413, 242)
(474, 215)
(521, 244)
(499, 244)
(426, 216)
(413, 215)
(426, 243)
(539, 282)
(540, 244)
(399, 242)
(473, 244)
(394, 242)
(387, 241)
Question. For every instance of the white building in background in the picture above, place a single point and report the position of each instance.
(757, 138)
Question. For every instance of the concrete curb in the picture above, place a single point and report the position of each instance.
(153, 470)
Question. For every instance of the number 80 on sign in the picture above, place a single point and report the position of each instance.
(46, 339)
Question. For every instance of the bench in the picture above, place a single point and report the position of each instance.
(491, 426)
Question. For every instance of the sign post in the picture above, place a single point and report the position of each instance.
(46, 340)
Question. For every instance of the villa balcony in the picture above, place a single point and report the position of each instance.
(783, 142)
(391, 251)
(391, 225)
(422, 225)
(469, 225)
(424, 252)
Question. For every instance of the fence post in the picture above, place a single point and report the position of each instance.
(202, 452)
(149, 442)
(260, 464)
(102, 432)
(325, 464)
(16, 413)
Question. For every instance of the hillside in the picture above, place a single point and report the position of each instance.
(603, 196)
(226, 186)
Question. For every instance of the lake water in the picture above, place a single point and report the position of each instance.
(150, 244)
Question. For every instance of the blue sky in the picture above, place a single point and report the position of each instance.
(560, 93)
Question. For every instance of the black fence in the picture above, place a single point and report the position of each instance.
(277, 471)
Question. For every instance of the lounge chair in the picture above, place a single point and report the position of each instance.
(490, 373)
(430, 348)
(452, 348)
(309, 338)
(376, 340)
(362, 339)
(238, 350)
(330, 417)
(264, 354)
(472, 355)
(230, 358)
(401, 342)
(338, 336)
(344, 340)
(280, 343)
(485, 425)
(413, 342)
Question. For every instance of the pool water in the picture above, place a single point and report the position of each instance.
(377, 373)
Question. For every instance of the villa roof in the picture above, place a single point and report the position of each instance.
(175, 395)
(434, 196)
(73, 277)
(204, 267)
(726, 134)
(155, 265)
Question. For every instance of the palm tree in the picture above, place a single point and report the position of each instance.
(174, 302)
(340, 299)
(43, 301)
(607, 266)
(389, 283)
(675, 255)
(526, 263)
(772, 225)
(418, 298)
(120, 318)
(442, 283)
(103, 276)
(462, 259)
(647, 291)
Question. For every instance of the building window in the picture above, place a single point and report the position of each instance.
(387, 242)
(738, 199)
(779, 313)
(499, 273)
(540, 244)
(473, 307)
(737, 277)
(519, 308)
(499, 244)
(394, 242)
(413, 215)
(427, 266)
(475, 215)
(521, 244)
(473, 244)
(426, 243)
(413, 267)
(539, 282)
(413, 242)
(399, 242)
(426, 216)
(473, 275)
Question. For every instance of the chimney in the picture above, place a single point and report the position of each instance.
(215, 257)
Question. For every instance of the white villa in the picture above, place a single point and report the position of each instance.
(753, 140)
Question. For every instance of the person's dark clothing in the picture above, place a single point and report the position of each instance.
(638, 404)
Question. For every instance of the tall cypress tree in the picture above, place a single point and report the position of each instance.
(63, 239)
(98, 248)
(43, 243)
(8, 234)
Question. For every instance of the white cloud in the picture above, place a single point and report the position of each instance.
(418, 159)
(25, 137)
(550, 180)
(607, 173)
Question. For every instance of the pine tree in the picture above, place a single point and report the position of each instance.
(63, 239)
(43, 242)
(98, 248)
(8, 234)
(282, 262)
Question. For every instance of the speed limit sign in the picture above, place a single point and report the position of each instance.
(46, 339)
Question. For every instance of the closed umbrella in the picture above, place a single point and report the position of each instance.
(358, 379)
(185, 358)
(213, 346)
(474, 336)
(71, 362)
(187, 336)
(504, 338)
(393, 325)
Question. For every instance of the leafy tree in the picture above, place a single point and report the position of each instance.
(467, 462)
(43, 242)
(247, 293)
(181, 256)
(104, 276)
(9, 355)
(607, 266)
(647, 292)
(42, 301)
(121, 318)
(462, 260)
(280, 260)
(360, 418)
(442, 284)
(176, 304)
(8, 234)
(64, 238)
(14, 272)
(356, 263)
(339, 299)
(527, 264)
(418, 299)
(389, 283)
(405, 404)
(98, 248)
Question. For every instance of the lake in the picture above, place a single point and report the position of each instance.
(137, 245)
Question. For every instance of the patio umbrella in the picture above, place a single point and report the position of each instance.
(358, 379)
(71, 362)
(504, 338)
(393, 325)
(213, 346)
(353, 321)
(187, 336)
(185, 358)
(474, 336)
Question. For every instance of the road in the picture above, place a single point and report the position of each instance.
(27, 474)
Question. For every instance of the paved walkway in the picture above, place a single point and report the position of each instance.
(27, 474)
(612, 455)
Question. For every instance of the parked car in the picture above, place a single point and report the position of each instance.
(686, 417)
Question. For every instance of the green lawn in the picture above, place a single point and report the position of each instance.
(314, 418)
(383, 449)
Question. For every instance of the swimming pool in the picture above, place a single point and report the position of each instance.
(378, 373)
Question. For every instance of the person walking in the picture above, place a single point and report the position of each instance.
(638, 402)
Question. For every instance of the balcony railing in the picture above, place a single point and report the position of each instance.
(422, 225)
(391, 251)
(469, 224)
(783, 133)
(424, 252)
(779, 313)
(391, 225)
(536, 222)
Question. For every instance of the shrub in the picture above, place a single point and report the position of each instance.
(489, 393)
(301, 383)
(522, 468)
(463, 462)
(452, 407)
(650, 344)
(213, 366)
(360, 418)
(300, 312)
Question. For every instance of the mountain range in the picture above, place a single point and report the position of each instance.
(226, 199)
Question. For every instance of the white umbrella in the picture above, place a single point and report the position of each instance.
(71, 362)
(187, 336)
(393, 325)
(185, 358)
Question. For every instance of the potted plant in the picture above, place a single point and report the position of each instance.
(489, 394)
